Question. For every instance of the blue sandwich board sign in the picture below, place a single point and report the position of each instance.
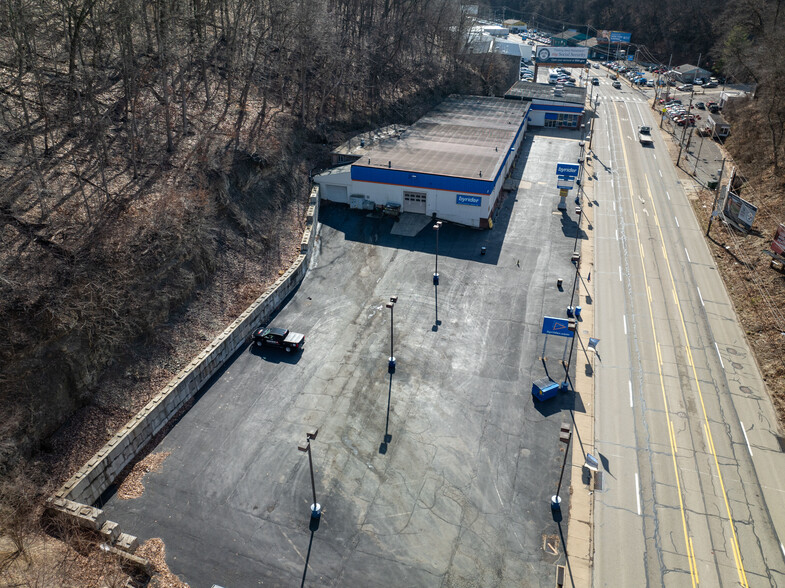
(557, 326)
(567, 169)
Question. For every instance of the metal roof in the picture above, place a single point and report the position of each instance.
(464, 136)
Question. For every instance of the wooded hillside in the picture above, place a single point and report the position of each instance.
(147, 148)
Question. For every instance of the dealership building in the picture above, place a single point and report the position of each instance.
(452, 163)
(550, 106)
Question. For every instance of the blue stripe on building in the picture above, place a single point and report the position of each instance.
(557, 108)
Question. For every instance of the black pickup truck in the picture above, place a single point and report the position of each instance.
(281, 338)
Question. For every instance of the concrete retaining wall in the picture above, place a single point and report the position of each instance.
(92, 480)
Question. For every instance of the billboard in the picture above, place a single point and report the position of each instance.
(556, 55)
(739, 212)
(778, 244)
(613, 37)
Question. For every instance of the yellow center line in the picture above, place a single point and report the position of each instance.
(671, 435)
(736, 549)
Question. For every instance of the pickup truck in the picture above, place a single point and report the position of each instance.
(280, 338)
(644, 136)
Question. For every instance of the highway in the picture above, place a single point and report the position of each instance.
(693, 466)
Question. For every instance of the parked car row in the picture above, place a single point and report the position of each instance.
(680, 115)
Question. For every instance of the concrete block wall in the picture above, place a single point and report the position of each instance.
(92, 480)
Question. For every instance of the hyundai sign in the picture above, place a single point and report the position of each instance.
(545, 54)
(468, 200)
(568, 170)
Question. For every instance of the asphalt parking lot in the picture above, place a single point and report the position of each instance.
(460, 495)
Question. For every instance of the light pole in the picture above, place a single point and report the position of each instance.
(391, 359)
(436, 228)
(565, 435)
(316, 508)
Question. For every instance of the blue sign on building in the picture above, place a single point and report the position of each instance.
(557, 326)
(468, 200)
(567, 169)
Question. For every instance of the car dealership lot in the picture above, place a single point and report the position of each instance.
(461, 493)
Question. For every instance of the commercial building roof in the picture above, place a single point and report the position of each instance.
(528, 91)
(464, 136)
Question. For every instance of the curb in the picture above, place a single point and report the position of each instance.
(579, 550)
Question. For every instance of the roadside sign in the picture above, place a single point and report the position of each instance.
(557, 326)
(563, 193)
(565, 183)
(567, 169)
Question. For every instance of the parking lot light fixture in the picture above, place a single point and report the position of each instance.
(436, 228)
(316, 508)
(391, 359)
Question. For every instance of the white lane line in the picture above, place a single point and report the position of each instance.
(617, 234)
(782, 548)
(688, 255)
(629, 382)
(718, 354)
(638, 492)
(659, 170)
(701, 297)
(614, 207)
(625, 328)
(677, 222)
(655, 155)
(668, 195)
(620, 274)
(745, 438)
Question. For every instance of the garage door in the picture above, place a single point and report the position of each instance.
(335, 193)
(414, 202)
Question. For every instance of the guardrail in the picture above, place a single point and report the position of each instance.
(72, 502)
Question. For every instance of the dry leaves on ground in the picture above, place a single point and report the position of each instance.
(154, 551)
(132, 485)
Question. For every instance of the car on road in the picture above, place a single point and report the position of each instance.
(700, 105)
(685, 87)
(710, 85)
(595, 82)
(280, 338)
(617, 85)
(644, 135)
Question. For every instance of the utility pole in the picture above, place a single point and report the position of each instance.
(686, 124)
(716, 195)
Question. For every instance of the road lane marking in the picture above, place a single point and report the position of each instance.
(620, 279)
(625, 324)
(638, 493)
(688, 255)
(668, 195)
(655, 155)
(735, 544)
(677, 222)
(659, 170)
(699, 296)
(722, 363)
(629, 382)
(614, 207)
(679, 493)
(617, 234)
(743, 430)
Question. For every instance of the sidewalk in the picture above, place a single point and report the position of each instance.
(580, 534)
